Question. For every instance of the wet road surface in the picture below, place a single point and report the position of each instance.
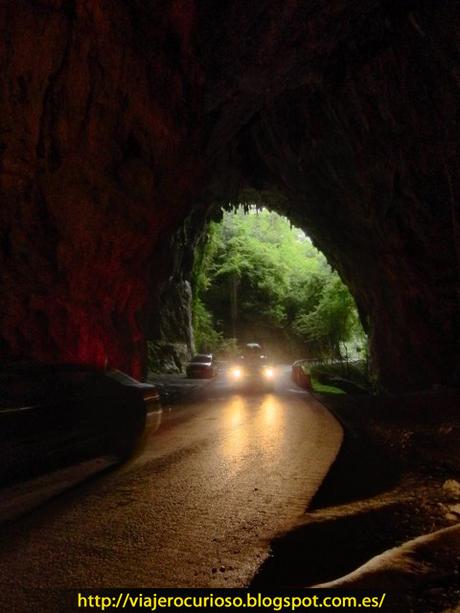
(199, 507)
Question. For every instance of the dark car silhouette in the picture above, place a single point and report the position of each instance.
(55, 415)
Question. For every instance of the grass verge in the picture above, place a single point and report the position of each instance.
(322, 388)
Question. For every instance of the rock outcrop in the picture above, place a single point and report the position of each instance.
(118, 119)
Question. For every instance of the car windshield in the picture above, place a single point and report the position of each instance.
(202, 359)
(252, 351)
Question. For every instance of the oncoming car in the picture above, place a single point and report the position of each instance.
(252, 369)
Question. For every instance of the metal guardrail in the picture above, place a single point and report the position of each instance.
(341, 378)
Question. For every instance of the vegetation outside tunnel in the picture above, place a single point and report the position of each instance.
(258, 278)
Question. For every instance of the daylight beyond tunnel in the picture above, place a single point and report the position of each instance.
(260, 279)
(123, 124)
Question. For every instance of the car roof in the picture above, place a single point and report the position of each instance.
(43, 368)
(39, 369)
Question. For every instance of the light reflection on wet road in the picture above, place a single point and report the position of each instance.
(199, 507)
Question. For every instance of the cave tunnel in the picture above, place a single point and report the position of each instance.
(125, 124)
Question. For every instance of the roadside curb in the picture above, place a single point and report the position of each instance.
(348, 429)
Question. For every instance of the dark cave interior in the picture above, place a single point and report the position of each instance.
(124, 123)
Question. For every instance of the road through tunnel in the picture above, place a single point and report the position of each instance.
(120, 121)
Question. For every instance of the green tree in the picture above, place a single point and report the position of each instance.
(331, 321)
(258, 273)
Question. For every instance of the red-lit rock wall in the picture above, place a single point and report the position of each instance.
(100, 119)
(116, 118)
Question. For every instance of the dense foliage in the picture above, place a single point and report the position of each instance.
(258, 278)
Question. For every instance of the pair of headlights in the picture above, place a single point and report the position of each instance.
(238, 373)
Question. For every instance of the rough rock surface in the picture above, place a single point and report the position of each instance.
(117, 119)
(417, 561)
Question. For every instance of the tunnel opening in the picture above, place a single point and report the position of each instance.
(260, 279)
(252, 276)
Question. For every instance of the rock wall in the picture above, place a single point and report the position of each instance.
(364, 155)
(118, 118)
(374, 176)
(168, 324)
(100, 120)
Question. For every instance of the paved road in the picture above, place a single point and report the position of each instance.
(199, 507)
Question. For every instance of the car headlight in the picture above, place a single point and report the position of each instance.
(236, 373)
(268, 373)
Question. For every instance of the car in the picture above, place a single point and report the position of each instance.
(56, 415)
(300, 374)
(252, 368)
(201, 366)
